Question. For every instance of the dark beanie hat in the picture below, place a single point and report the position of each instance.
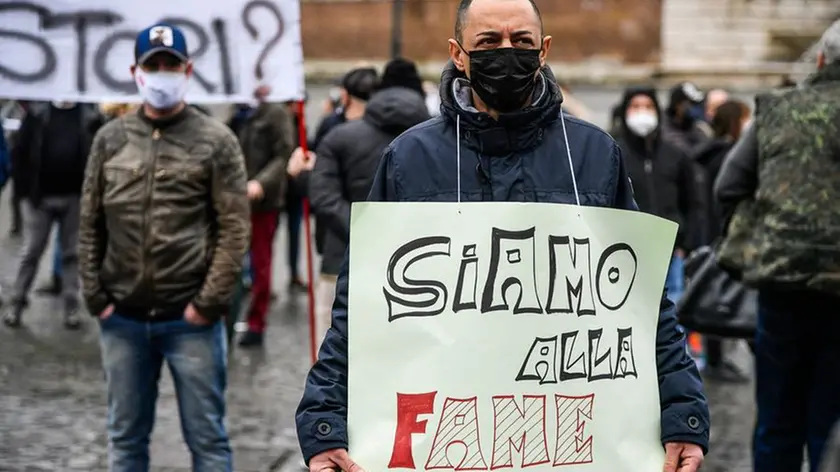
(401, 72)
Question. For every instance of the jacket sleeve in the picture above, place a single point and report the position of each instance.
(690, 204)
(738, 176)
(326, 188)
(322, 413)
(272, 177)
(231, 209)
(93, 237)
(684, 410)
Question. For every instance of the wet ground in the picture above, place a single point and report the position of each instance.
(52, 398)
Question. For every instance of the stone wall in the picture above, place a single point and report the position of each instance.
(741, 34)
(624, 31)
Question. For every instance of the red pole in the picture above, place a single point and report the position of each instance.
(307, 225)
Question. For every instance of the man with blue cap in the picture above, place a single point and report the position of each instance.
(164, 229)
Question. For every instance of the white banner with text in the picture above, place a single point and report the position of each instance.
(81, 50)
(505, 335)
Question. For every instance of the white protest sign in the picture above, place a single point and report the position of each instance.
(81, 50)
(505, 335)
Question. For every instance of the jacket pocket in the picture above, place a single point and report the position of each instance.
(123, 184)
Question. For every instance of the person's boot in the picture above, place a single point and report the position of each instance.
(52, 288)
(251, 339)
(72, 320)
(12, 316)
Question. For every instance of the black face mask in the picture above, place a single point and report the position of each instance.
(504, 78)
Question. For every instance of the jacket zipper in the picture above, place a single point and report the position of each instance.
(148, 239)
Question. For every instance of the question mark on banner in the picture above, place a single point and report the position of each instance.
(252, 30)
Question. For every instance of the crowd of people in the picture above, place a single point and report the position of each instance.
(164, 214)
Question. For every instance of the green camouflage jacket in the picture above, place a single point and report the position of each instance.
(788, 235)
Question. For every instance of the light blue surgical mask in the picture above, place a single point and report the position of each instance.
(161, 90)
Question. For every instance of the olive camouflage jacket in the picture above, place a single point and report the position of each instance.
(781, 184)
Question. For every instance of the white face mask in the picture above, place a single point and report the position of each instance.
(161, 90)
(642, 123)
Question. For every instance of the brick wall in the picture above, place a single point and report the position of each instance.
(627, 31)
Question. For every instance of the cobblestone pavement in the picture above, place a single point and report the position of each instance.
(52, 399)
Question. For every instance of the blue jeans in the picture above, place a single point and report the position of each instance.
(675, 280)
(132, 356)
(797, 360)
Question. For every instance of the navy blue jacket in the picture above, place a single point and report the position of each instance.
(522, 158)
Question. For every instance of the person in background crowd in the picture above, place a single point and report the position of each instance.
(500, 136)
(681, 127)
(15, 202)
(294, 209)
(728, 122)
(162, 300)
(49, 161)
(333, 112)
(663, 180)
(400, 72)
(347, 161)
(785, 169)
(356, 88)
(266, 134)
(714, 99)
(361, 82)
(54, 287)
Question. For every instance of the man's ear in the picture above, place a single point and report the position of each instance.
(458, 56)
(189, 69)
(820, 60)
(546, 45)
(133, 68)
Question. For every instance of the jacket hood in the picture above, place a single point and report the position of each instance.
(621, 114)
(396, 109)
(512, 132)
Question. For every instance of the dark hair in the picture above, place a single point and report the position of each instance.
(728, 117)
(461, 17)
(401, 72)
(361, 83)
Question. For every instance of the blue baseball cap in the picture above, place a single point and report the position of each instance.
(160, 38)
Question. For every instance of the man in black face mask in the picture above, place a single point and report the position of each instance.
(500, 137)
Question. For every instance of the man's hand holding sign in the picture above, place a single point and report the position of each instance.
(504, 335)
